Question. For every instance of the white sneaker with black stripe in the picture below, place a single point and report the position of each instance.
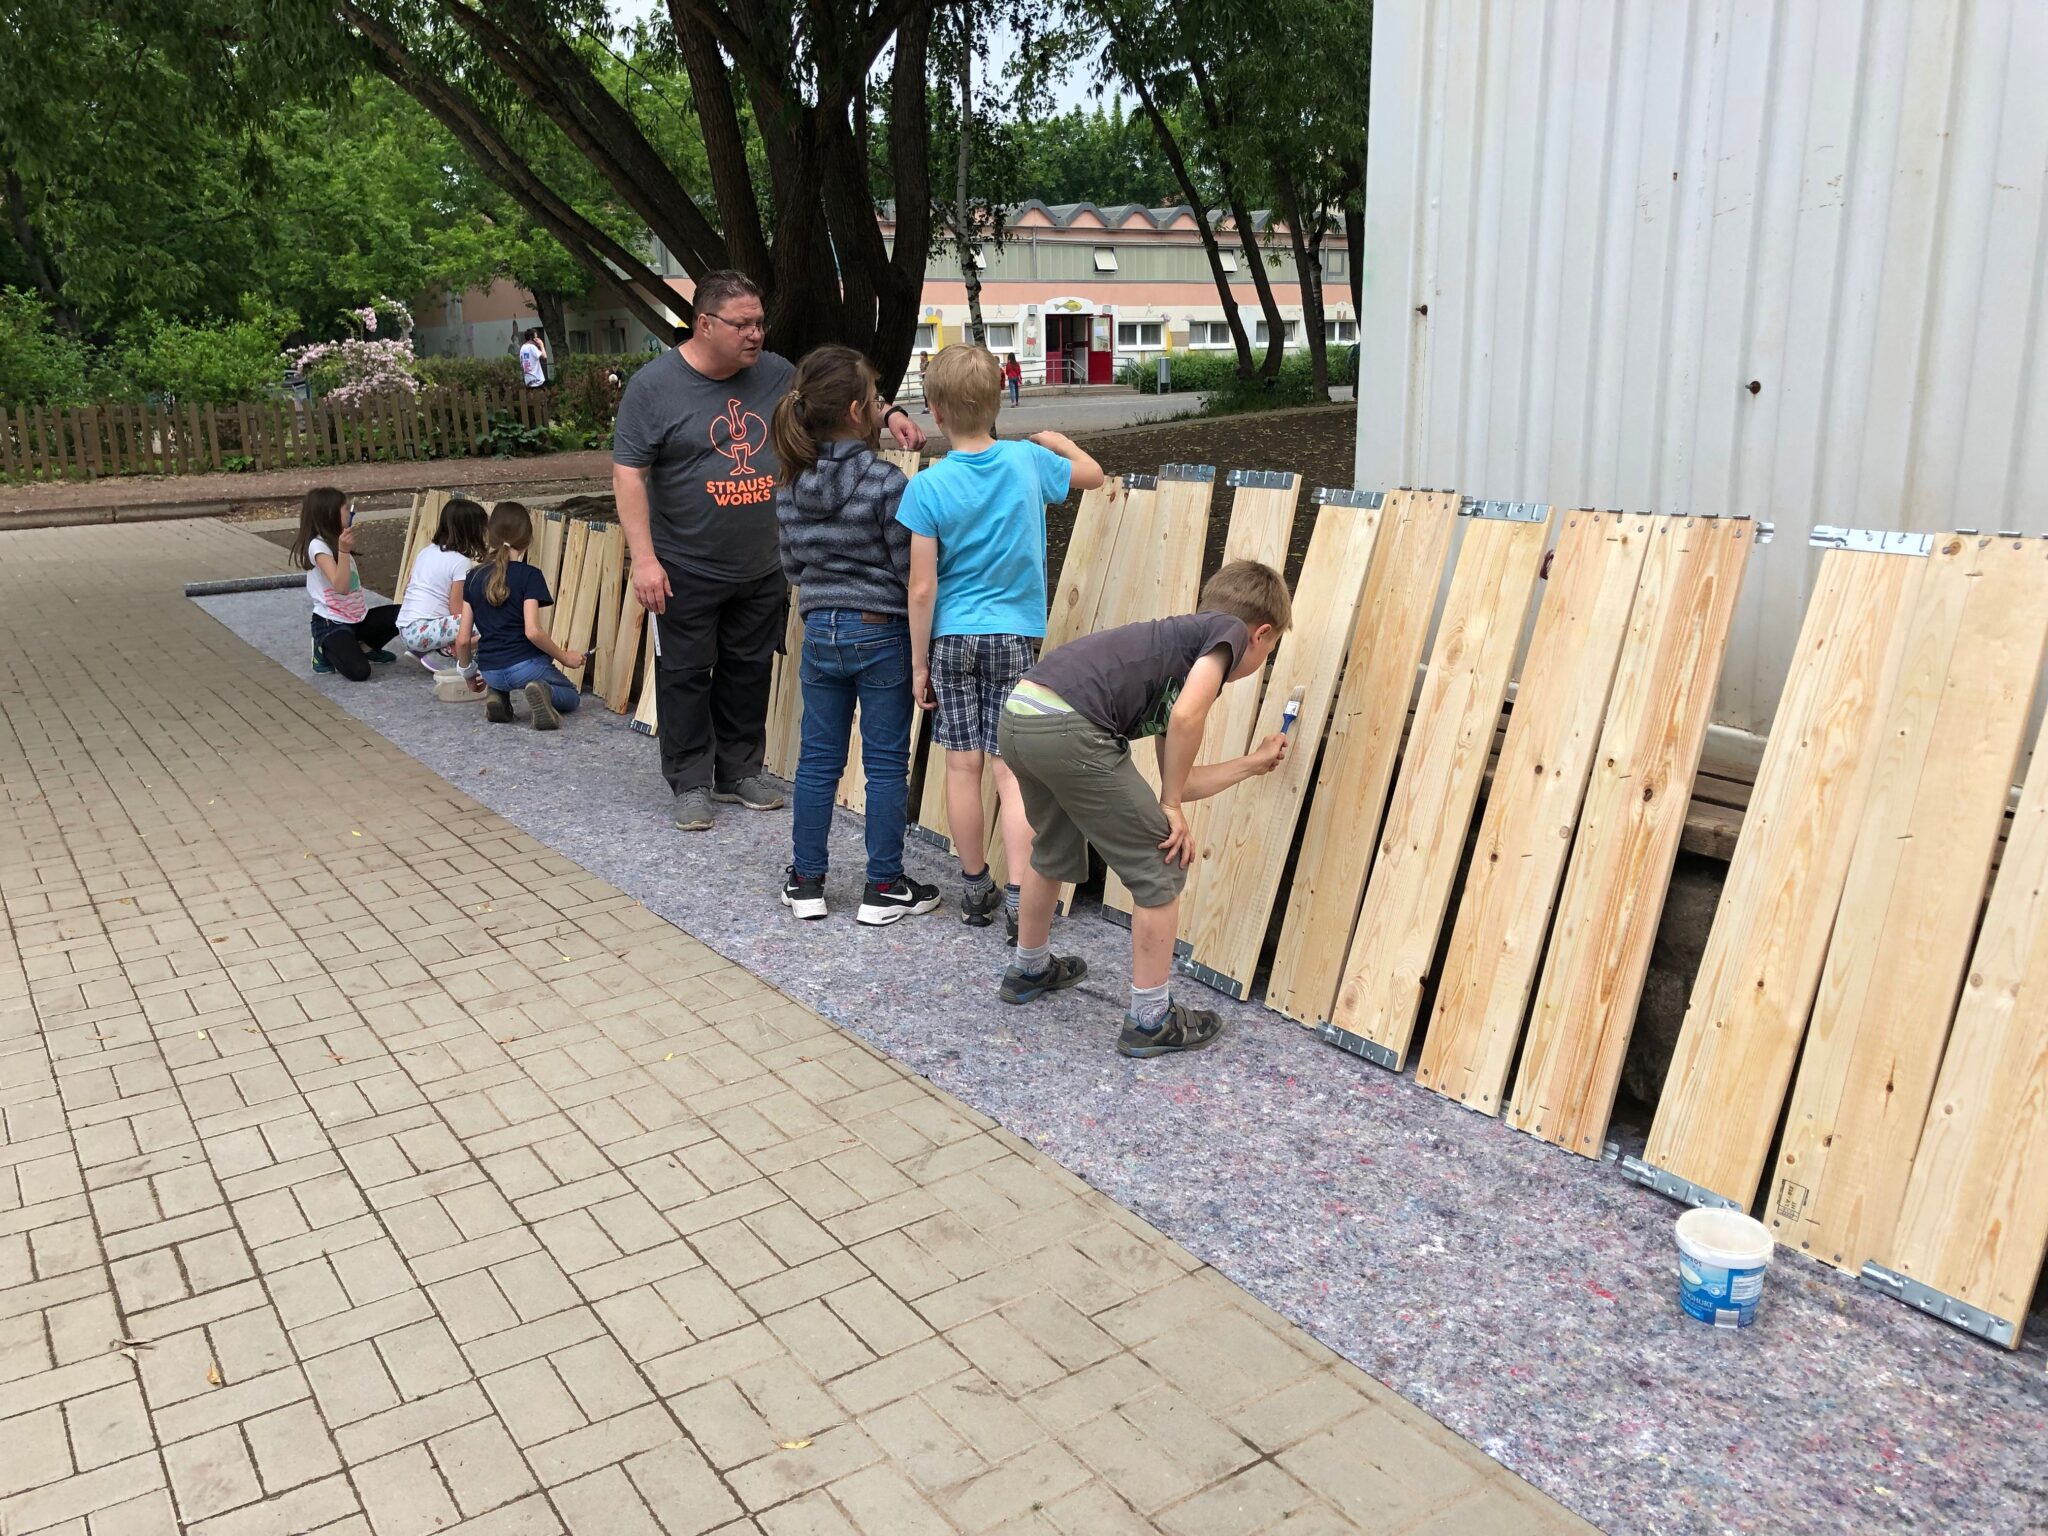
(903, 897)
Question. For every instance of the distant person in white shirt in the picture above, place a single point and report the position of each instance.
(533, 359)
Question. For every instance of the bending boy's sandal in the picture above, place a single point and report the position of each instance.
(1183, 1029)
(1026, 986)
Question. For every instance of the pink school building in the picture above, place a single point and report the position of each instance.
(1075, 290)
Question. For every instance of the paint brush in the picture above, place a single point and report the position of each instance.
(1291, 711)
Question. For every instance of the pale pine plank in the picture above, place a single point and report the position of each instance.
(601, 545)
(1234, 884)
(1359, 757)
(1261, 523)
(1164, 578)
(611, 573)
(786, 697)
(1763, 959)
(644, 717)
(549, 537)
(575, 548)
(625, 652)
(426, 522)
(1916, 881)
(1628, 834)
(1430, 812)
(1525, 835)
(1974, 1220)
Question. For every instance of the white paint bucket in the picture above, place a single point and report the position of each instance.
(1722, 1256)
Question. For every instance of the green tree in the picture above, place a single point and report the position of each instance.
(39, 363)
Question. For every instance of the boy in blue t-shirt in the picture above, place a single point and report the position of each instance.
(977, 597)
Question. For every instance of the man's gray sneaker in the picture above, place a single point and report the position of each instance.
(693, 810)
(757, 792)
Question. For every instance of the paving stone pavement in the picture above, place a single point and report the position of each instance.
(367, 1167)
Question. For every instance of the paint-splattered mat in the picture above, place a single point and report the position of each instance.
(1523, 1296)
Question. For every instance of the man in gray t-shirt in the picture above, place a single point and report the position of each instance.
(695, 479)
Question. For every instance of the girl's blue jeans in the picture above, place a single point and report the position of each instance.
(535, 669)
(848, 659)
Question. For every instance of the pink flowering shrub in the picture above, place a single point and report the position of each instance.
(357, 368)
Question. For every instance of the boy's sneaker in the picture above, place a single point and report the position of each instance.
(902, 897)
(1009, 927)
(497, 706)
(1026, 986)
(804, 894)
(1183, 1029)
(540, 703)
(320, 663)
(978, 908)
(757, 792)
(382, 657)
(693, 810)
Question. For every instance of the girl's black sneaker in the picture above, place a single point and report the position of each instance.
(903, 897)
(803, 894)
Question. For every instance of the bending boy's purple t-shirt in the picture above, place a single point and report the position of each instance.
(1126, 680)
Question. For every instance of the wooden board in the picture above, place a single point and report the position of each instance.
(419, 533)
(603, 545)
(1629, 830)
(1916, 881)
(1358, 759)
(1261, 524)
(611, 578)
(1430, 812)
(1233, 886)
(1756, 981)
(1157, 572)
(575, 545)
(786, 698)
(644, 718)
(1525, 835)
(623, 664)
(550, 536)
(1974, 1220)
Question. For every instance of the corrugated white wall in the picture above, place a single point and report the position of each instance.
(1622, 213)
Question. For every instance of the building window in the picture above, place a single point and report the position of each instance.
(1105, 258)
(1139, 333)
(1286, 334)
(1002, 338)
(1344, 331)
(924, 339)
(1209, 333)
(579, 341)
(1229, 260)
(1334, 263)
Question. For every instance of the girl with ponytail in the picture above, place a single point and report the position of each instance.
(844, 551)
(502, 645)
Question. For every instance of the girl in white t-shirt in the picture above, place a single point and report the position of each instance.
(348, 634)
(432, 610)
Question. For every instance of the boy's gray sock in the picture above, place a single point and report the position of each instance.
(1149, 1004)
(1011, 896)
(1032, 961)
(981, 884)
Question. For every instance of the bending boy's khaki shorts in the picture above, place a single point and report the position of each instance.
(1081, 787)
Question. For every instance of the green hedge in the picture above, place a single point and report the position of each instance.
(1215, 374)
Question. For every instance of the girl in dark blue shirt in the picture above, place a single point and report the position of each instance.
(502, 636)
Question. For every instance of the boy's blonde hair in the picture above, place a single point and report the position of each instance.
(967, 384)
(1247, 590)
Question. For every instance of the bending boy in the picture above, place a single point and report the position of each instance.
(1066, 733)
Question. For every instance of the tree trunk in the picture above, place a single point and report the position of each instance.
(553, 308)
(1170, 147)
(1308, 271)
(41, 268)
(963, 213)
(1247, 235)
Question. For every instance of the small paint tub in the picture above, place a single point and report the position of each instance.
(1722, 1256)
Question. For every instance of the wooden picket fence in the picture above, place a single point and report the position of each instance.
(117, 438)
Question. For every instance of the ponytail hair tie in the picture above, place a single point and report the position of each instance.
(797, 395)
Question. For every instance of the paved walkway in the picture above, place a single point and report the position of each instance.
(369, 1168)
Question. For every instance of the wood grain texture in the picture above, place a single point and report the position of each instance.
(1155, 573)
(1233, 886)
(1525, 834)
(1430, 810)
(419, 533)
(644, 717)
(785, 698)
(1261, 523)
(1634, 813)
(611, 576)
(625, 657)
(1756, 982)
(550, 532)
(1916, 882)
(599, 557)
(1974, 1221)
(575, 547)
(1387, 640)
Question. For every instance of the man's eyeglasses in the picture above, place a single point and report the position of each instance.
(745, 328)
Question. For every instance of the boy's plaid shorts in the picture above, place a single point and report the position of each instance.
(972, 676)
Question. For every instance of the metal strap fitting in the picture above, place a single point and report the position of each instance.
(1141, 482)
(1650, 1176)
(1334, 496)
(1187, 965)
(1261, 479)
(1873, 541)
(1187, 471)
(1504, 511)
(1926, 1298)
(1357, 1045)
